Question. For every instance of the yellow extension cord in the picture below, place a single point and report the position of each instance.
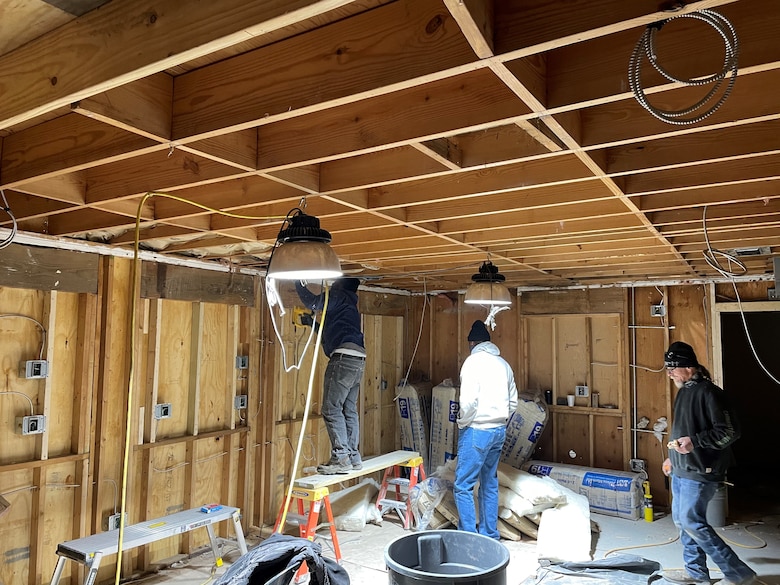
(135, 279)
(676, 538)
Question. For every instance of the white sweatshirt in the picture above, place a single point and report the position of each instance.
(488, 395)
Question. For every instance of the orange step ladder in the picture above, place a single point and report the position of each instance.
(307, 521)
(393, 476)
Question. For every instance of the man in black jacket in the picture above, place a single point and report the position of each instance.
(703, 429)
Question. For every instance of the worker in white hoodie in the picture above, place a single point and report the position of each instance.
(488, 396)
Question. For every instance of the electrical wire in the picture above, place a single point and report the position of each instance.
(761, 541)
(38, 323)
(645, 47)
(135, 285)
(12, 234)
(296, 365)
(711, 256)
(32, 408)
(307, 407)
(116, 491)
(419, 333)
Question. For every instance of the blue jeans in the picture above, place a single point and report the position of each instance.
(339, 405)
(478, 454)
(699, 539)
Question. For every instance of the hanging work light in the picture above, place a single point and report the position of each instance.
(302, 252)
(487, 288)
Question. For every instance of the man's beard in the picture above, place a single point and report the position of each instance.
(678, 384)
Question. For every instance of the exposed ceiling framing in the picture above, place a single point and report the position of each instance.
(427, 135)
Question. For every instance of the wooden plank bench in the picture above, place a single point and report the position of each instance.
(90, 550)
(370, 465)
(314, 489)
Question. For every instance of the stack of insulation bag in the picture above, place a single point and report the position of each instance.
(546, 502)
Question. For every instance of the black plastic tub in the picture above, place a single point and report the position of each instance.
(446, 556)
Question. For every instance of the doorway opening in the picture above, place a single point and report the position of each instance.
(756, 400)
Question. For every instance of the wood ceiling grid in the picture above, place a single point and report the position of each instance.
(418, 124)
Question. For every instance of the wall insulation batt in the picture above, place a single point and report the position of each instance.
(609, 492)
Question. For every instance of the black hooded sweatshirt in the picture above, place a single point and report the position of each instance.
(701, 412)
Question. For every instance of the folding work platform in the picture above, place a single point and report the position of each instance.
(90, 550)
(314, 489)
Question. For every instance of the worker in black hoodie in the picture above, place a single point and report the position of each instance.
(342, 342)
(703, 429)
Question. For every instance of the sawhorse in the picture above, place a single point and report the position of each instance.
(314, 489)
(308, 529)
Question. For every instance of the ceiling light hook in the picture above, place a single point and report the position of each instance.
(302, 203)
(171, 148)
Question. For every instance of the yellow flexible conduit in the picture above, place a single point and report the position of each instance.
(135, 279)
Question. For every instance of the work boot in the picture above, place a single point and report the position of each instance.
(683, 577)
(335, 466)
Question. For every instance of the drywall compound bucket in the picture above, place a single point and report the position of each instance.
(716, 509)
(446, 557)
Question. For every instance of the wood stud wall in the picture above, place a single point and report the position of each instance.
(64, 484)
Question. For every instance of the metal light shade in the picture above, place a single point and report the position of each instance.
(303, 252)
(304, 261)
(487, 293)
(487, 288)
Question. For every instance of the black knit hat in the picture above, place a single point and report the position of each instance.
(346, 283)
(479, 332)
(680, 355)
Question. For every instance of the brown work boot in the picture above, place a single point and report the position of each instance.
(683, 577)
(335, 466)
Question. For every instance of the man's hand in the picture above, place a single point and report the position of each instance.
(682, 445)
(666, 467)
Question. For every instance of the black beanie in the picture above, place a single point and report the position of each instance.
(347, 283)
(680, 355)
(479, 332)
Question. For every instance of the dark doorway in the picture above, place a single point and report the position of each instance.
(756, 398)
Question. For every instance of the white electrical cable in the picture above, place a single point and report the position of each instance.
(419, 333)
(711, 257)
(32, 408)
(38, 323)
(645, 48)
(274, 298)
(12, 234)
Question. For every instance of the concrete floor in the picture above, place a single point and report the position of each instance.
(757, 542)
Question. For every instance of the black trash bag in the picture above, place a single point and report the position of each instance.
(620, 569)
(276, 560)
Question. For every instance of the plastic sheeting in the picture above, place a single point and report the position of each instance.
(276, 560)
(616, 569)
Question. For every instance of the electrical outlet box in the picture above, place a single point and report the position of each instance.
(240, 401)
(35, 424)
(773, 294)
(658, 310)
(113, 521)
(637, 465)
(162, 411)
(581, 391)
(34, 369)
(242, 362)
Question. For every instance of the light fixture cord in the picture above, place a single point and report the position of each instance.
(306, 409)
